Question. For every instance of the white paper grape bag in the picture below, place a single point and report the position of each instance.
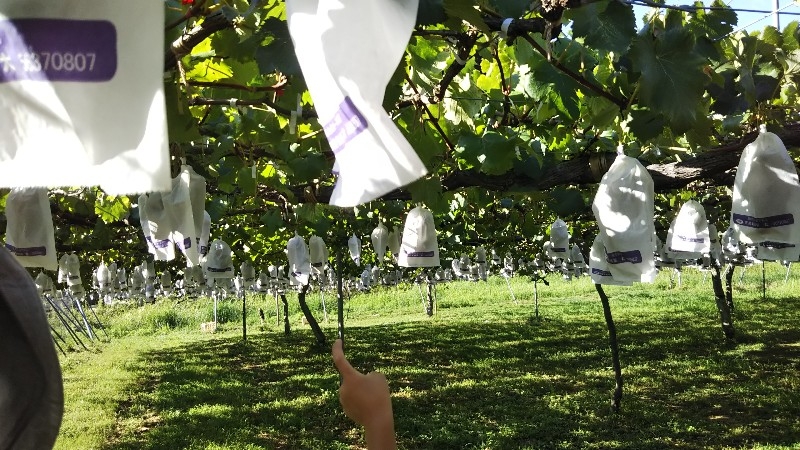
(354, 247)
(559, 237)
(205, 234)
(419, 247)
(81, 95)
(348, 51)
(394, 241)
(157, 226)
(599, 267)
(731, 249)
(318, 252)
(299, 263)
(688, 235)
(219, 264)
(380, 242)
(178, 207)
(29, 231)
(577, 257)
(624, 209)
(766, 194)
(480, 255)
(777, 251)
(248, 271)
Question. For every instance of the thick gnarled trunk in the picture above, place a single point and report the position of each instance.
(318, 334)
(723, 306)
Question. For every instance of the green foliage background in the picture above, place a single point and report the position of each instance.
(492, 131)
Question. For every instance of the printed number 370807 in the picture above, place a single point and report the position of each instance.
(57, 61)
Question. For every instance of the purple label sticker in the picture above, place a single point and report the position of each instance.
(185, 244)
(57, 50)
(696, 240)
(601, 272)
(27, 251)
(162, 243)
(420, 254)
(763, 222)
(775, 245)
(345, 125)
(632, 256)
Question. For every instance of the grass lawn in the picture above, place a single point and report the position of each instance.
(483, 373)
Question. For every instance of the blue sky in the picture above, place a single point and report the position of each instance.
(752, 21)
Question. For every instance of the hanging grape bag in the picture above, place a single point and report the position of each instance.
(688, 236)
(766, 194)
(81, 95)
(29, 229)
(624, 209)
(348, 52)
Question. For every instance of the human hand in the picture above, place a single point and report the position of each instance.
(366, 400)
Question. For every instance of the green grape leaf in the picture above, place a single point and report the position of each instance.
(246, 183)
(428, 190)
(425, 143)
(645, 124)
(530, 167)
(700, 135)
(499, 154)
(245, 73)
(430, 12)
(309, 167)
(601, 113)
(272, 221)
(714, 23)
(562, 91)
(209, 70)
(511, 8)
(672, 78)
(216, 208)
(606, 25)
(566, 201)
(470, 148)
(467, 12)
(101, 235)
(278, 55)
(181, 126)
(111, 209)
(791, 36)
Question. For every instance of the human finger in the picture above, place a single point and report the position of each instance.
(341, 362)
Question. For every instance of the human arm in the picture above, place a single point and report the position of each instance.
(367, 401)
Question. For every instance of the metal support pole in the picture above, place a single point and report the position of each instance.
(85, 320)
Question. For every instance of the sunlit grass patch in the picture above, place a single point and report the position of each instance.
(485, 372)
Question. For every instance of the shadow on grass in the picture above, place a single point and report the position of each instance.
(500, 385)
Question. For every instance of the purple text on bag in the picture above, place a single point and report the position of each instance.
(57, 50)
